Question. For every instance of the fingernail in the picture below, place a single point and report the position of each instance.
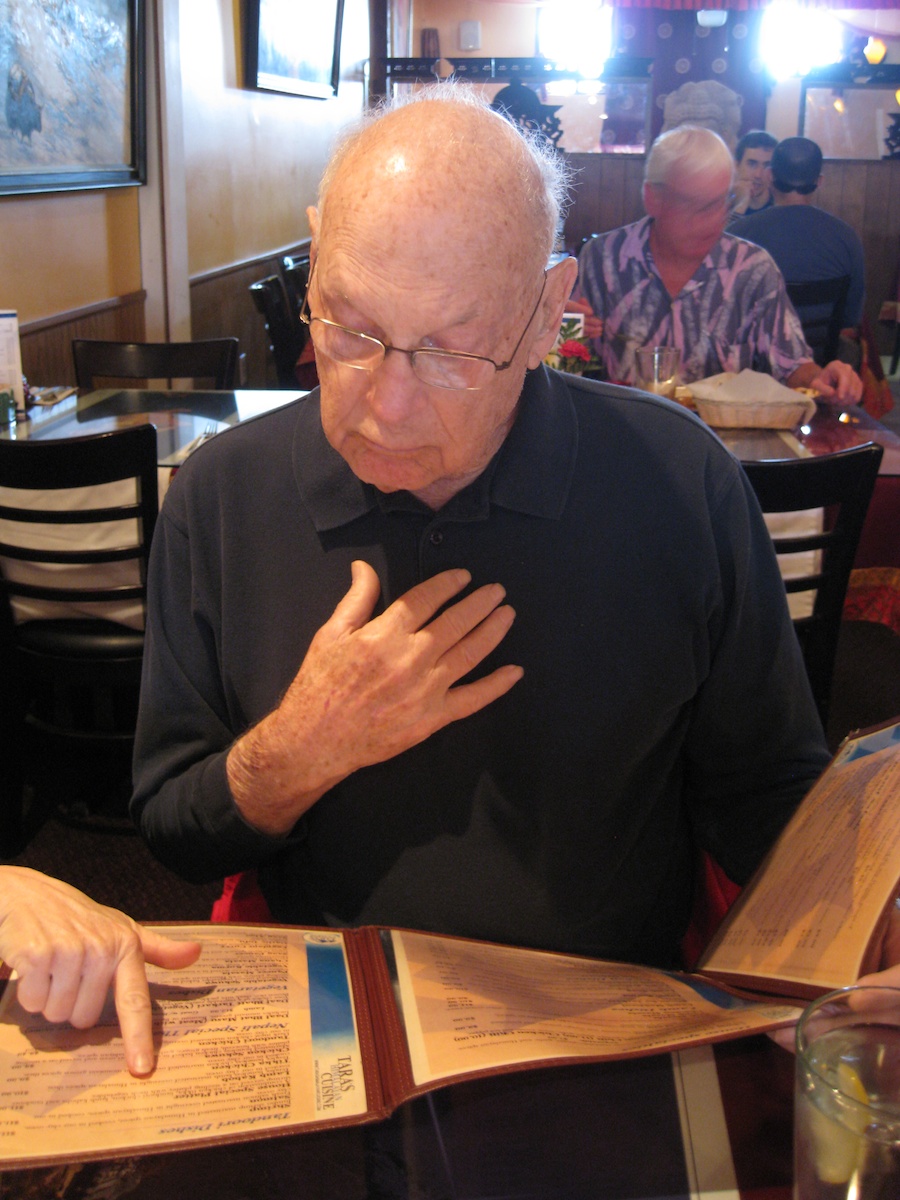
(143, 1064)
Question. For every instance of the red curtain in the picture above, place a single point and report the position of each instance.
(684, 52)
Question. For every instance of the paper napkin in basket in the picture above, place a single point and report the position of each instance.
(750, 399)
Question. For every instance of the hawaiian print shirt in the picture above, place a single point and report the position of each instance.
(733, 313)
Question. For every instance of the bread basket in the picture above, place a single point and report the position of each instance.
(769, 405)
(751, 414)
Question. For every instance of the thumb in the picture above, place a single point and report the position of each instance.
(164, 952)
(357, 605)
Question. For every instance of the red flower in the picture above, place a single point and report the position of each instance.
(572, 349)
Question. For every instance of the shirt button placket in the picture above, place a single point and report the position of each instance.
(430, 556)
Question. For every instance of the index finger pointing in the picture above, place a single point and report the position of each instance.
(132, 998)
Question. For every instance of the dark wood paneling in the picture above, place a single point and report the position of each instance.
(221, 307)
(607, 193)
(47, 344)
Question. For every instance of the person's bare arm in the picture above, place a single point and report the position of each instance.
(593, 325)
(836, 383)
(369, 689)
(68, 950)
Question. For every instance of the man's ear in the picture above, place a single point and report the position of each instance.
(650, 196)
(557, 290)
(312, 215)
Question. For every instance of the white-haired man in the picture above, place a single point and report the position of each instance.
(676, 278)
(564, 663)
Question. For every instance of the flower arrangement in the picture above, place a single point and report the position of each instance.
(572, 352)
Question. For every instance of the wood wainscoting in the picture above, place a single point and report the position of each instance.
(607, 193)
(47, 343)
(221, 307)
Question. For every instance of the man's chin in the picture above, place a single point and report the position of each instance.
(390, 473)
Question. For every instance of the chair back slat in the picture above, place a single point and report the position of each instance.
(841, 484)
(61, 466)
(71, 617)
(214, 358)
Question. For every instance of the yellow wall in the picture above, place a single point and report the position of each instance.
(506, 29)
(64, 250)
(252, 159)
(252, 162)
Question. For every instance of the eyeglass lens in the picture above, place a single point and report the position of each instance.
(430, 366)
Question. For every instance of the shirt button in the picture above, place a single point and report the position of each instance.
(435, 537)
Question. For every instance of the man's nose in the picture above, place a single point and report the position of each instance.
(394, 388)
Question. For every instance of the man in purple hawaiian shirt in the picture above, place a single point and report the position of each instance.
(676, 278)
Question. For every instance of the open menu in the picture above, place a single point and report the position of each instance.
(280, 1029)
(812, 918)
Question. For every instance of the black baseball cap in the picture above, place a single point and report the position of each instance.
(796, 165)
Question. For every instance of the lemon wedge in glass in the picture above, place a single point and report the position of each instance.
(837, 1144)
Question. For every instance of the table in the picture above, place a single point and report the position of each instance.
(180, 417)
(596, 1132)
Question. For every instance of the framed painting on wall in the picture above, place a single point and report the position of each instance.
(72, 78)
(294, 46)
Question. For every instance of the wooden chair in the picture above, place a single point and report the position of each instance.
(286, 334)
(72, 674)
(215, 359)
(841, 484)
(820, 306)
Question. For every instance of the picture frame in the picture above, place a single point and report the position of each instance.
(294, 46)
(74, 113)
(851, 112)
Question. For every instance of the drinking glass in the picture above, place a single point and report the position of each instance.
(847, 1097)
(7, 406)
(657, 369)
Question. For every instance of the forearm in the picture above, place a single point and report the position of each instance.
(269, 790)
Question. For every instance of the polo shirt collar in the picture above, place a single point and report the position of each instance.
(531, 472)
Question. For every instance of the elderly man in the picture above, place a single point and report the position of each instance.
(675, 277)
(564, 663)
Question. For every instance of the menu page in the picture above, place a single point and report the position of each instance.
(259, 1034)
(809, 918)
(470, 1006)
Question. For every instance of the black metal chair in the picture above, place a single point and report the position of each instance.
(820, 306)
(286, 334)
(71, 673)
(842, 485)
(215, 359)
(295, 276)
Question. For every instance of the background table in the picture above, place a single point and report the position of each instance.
(180, 417)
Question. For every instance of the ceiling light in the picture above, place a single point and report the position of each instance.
(874, 51)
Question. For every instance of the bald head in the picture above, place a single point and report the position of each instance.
(441, 166)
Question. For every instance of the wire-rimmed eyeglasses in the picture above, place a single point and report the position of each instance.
(453, 369)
